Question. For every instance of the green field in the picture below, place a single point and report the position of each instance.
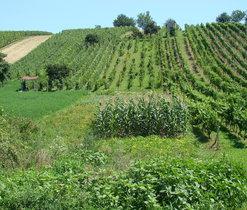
(35, 104)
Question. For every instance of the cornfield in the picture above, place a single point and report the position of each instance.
(141, 116)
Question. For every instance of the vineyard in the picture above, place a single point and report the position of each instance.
(156, 121)
(7, 37)
(209, 59)
(206, 64)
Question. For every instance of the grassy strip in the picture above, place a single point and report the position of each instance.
(35, 104)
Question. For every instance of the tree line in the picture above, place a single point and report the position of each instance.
(145, 22)
(236, 16)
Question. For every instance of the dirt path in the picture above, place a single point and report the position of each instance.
(20, 49)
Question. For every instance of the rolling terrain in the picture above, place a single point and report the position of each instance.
(151, 122)
(206, 64)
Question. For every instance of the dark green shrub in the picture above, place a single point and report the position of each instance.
(92, 39)
(1, 110)
(4, 69)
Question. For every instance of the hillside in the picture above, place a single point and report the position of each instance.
(122, 63)
(204, 63)
(20, 49)
(158, 122)
(68, 47)
(7, 37)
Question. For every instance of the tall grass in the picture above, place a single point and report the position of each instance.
(142, 116)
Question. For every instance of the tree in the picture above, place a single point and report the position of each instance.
(237, 16)
(4, 68)
(151, 28)
(56, 72)
(123, 20)
(144, 20)
(92, 39)
(170, 25)
(224, 17)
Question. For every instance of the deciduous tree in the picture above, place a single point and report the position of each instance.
(144, 19)
(170, 25)
(123, 20)
(92, 39)
(237, 16)
(224, 17)
(56, 72)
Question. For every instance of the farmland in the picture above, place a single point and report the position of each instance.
(157, 121)
(8, 37)
(202, 64)
(20, 49)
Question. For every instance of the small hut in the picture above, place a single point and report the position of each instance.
(24, 83)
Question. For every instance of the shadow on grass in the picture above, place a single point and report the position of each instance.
(200, 136)
(237, 142)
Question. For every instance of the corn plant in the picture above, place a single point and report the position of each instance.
(141, 116)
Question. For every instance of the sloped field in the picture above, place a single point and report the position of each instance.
(8, 37)
(206, 64)
(20, 49)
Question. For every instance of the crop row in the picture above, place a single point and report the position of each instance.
(7, 37)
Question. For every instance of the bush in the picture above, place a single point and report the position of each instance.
(17, 136)
(136, 33)
(4, 69)
(172, 184)
(155, 184)
(142, 117)
(92, 39)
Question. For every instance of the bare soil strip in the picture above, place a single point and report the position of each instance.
(20, 49)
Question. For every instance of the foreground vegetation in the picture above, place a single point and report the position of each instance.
(163, 183)
(62, 165)
(142, 117)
